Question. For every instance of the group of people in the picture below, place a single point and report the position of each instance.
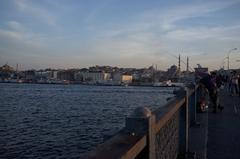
(214, 82)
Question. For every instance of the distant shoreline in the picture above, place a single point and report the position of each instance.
(80, 83)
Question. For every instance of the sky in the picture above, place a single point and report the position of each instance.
(37, 34)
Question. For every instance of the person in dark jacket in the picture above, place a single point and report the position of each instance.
(239, 85)
(209, 81)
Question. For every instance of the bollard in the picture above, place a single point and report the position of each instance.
(142, 122)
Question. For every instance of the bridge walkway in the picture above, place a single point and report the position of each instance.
(224, 129)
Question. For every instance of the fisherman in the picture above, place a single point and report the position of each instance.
(209, 81)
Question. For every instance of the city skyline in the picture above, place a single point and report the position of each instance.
(77, 34)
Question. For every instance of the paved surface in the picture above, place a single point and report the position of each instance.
(198, 136)
(224, 130)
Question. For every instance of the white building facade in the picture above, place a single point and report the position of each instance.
(95, 76)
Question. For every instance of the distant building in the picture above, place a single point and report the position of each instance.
(106, 69)
(172, 71)
(30, 75)
(65, 75)
(96, 76)
(127, 78)
(160, 76)
(122, 78)
(136, 76)
(54, 74)
(6, 71)
(6, 68)
(78, 76)
(50, 74)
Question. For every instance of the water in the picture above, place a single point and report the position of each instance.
(64, 121)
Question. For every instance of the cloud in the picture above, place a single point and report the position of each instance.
(218, 33)
(11, 34)
(94, 13)
(36, 12)
(163, 22)
(142, 38)
(15, 25)
(167, 18)
(21, 37)
(151, 34)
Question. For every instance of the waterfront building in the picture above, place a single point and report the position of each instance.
(54, 74)
(6, 72)
(126, 78)
(78, 76)
(122, 78)
(6, 68)
(66, 75)
(95, 76)
(30, 75)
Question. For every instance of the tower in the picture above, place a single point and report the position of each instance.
(179, 64)
(187, 64)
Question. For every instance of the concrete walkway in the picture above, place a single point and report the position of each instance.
(224, 129)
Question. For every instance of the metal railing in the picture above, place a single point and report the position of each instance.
(161, 134)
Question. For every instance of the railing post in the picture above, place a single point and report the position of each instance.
(187, 119)
(142, 122)
(184, 125)
(152, 137)
(192, 107)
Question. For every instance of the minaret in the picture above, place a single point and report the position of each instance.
(187, 64)
(17, 68)
(179, 64)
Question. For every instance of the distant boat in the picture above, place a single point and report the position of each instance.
(168, 83)
(163, 84)
(125, 84)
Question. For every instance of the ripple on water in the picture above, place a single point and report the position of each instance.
(58, 121)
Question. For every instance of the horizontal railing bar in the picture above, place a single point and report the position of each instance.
(136, 149)
(122, 146)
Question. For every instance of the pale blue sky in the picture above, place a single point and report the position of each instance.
(125, 33)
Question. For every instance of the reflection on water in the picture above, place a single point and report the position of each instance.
(63, 121)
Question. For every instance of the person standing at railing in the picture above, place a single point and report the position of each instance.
(210, 82)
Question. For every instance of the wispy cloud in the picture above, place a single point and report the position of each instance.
(10, 34)
(168, 17)
(155, 32)
(36, 12)
(142, 36)
(94, 13)
(164, 21)
(205, 33)
(14, 25)
(17, 33)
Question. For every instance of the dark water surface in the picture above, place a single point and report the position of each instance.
(64, 121)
